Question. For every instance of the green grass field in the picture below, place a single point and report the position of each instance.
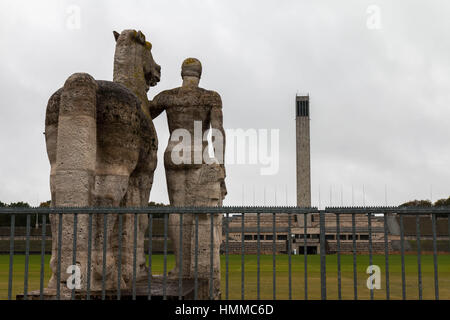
(282, 276)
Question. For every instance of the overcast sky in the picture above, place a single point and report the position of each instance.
(378, 74)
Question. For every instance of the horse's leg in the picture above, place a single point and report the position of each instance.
(131, 199)
(53, 227)
(138, 194)
(51, 134)
(51, 147)
(110, 188)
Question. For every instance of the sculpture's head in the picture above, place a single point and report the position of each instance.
(128, 39)
(191, 67)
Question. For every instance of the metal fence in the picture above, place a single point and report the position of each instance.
(238, 213)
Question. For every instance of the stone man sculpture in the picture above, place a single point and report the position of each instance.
(193, 177)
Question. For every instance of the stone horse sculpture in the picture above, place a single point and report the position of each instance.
(102, 147)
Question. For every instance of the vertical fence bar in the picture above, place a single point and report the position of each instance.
(323, 279)
(150, 245)
(305, 253)
(119, 260)
(196, 259)
(180, 260)
(386, 256)
(355, 277)
(11, 256)
(41, 278)
(226, 256)
(369, 225)
(258, 258)
(289, 256)
(134, 255)
(27, 259)
(74, 251)
(419, 260)
(105, 236)
(448, 231)
(338, 243)
(58, 268)
(435, 261)
(165, 256)
(242, 257)
(402, 252)
(88, 277)
(273, 255)
(211, 268)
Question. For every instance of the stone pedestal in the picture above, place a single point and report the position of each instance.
(172, 291)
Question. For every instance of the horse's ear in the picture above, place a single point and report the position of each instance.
(140, 37)
(116, 35)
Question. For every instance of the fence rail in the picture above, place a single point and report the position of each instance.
(297, 220)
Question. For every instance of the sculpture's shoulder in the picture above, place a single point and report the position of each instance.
(211, 98)
(166, 96)
(169, 92)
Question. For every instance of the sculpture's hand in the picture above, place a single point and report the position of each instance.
(223, 189)
(213, 160)
(222, 172)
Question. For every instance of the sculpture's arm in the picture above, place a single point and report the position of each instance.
(157, 105)
(219, 139)
(217, 124)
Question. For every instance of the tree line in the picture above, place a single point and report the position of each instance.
(21, 220)
(427, 203)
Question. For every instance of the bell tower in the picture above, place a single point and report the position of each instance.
(303, 151)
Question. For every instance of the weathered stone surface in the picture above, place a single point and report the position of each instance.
(102, 147)
(172, 291)
(194, 179)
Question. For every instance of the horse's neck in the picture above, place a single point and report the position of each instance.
(129, 72)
